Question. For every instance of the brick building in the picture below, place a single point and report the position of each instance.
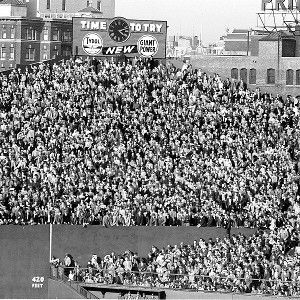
(26, 38)
(242, 42)
(274, 66)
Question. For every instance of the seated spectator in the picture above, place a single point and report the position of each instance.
(121, 144)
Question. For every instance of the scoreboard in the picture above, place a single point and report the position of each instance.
(102, 37)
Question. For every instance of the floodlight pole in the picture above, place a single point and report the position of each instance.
(50, 242)
(278, 59)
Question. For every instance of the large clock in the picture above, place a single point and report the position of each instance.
(119, 30)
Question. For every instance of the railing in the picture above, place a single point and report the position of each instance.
(187, 282)
(67, 16)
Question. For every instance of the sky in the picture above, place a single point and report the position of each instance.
(187, 17)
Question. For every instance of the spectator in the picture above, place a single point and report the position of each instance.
(236, 264)
(118, 144)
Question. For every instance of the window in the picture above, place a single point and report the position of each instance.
(298, 77)
(243, 75)
(99, 5)
(55, 53)
(2, 52)
(46, 34)
(289, 77)
(30, 34)
(48, 4)
(55, 34)
(252, 76)
(63, 5)
(67, 36)
(67, 51)
(4, 35)
(12, 32)
(271, 76)
(12, 52)
(27, 34)
(234, 73)
(30, 54)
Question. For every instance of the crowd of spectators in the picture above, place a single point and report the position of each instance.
(124, 144)
(265, 263)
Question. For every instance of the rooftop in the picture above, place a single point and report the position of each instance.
(274, 36)
(240, 30)
(12, 2)
(90, 9)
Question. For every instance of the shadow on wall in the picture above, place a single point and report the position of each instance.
(83, 242)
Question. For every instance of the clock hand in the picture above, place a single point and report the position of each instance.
(121, 31)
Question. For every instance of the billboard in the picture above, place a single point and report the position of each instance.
(280, 5)
(102, 37)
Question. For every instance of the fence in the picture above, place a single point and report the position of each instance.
(189, 282)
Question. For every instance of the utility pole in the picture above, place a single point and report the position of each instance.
(278, 59)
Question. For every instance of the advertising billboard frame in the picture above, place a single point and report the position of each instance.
(155, 40)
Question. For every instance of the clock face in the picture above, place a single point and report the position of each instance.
(119, 30)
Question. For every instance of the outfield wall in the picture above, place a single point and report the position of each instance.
(59, 290)
(24, 255)
(24, 251)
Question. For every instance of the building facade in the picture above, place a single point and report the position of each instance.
(25, 41)
(179, 46)
(275, 68)
(68, 8)
(26, 38)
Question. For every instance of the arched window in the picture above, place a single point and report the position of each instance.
(244, 75)
(298, 77)
(271, 76)
(252, 76)
(289, 77)
(234, 73)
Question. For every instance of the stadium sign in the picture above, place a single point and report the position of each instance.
(147, 45)
(103, 37)
(119, 50)
(137, 27)
(280, 5)
(92, 43)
